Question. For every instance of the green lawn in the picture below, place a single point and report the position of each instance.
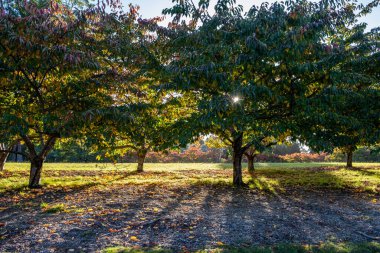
(273, 177)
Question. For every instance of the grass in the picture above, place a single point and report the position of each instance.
(271, 177)
(324, 248)
(55, 208)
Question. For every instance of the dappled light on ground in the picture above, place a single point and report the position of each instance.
(189, 207)
(278, 177)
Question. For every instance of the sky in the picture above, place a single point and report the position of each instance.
(153, 8)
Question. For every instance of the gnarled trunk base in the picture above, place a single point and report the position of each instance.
(141, 154)
(251, 163)
(35, 172)
(3, 159)
(237, 175)
(238, 152)
(349, 159)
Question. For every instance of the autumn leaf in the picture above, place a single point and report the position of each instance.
(134, 239)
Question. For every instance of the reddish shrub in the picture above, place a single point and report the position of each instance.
(194, 154)
(304, 157)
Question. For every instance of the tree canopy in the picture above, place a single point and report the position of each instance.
(256, 74)
(50, 76)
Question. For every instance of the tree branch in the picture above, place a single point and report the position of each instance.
(14, 152)
(30, 145)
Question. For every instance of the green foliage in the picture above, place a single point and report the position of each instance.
(74, 151)
(362, 154)
(142, 117)
(261, 73)
(46, 72)
(285, 149)
(53, 76)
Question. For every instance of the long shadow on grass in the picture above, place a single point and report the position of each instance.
(321, 178)
(368, 172)
(145, 217)
(192, 217)
(22, 211)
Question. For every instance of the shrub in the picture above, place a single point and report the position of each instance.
(304, 157)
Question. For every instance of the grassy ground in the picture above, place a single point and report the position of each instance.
(101, 206)
(325, 248)
(268, 176)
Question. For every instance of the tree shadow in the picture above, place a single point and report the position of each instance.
(190, 217)
(367, 172)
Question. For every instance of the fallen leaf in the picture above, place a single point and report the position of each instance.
(134, 238)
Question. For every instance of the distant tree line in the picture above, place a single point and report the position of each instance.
(76, 153)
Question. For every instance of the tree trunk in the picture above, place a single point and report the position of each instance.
(35, 172)
(141, 154)
(349, 158)
(37, 159)
(251, 163)
(3, 159)
(237, 157)
(220, 155)
(3, 156)
(18, 157)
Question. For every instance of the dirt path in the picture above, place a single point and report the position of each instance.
(182, 218)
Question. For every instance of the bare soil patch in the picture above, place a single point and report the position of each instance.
(182, 218)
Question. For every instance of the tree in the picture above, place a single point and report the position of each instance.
(254, 73)
(150, 127)
(286, 149)
(353, 120)
(256, 149)
(49, 68)
(347, 114)
(142, 118)
(261, 145)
